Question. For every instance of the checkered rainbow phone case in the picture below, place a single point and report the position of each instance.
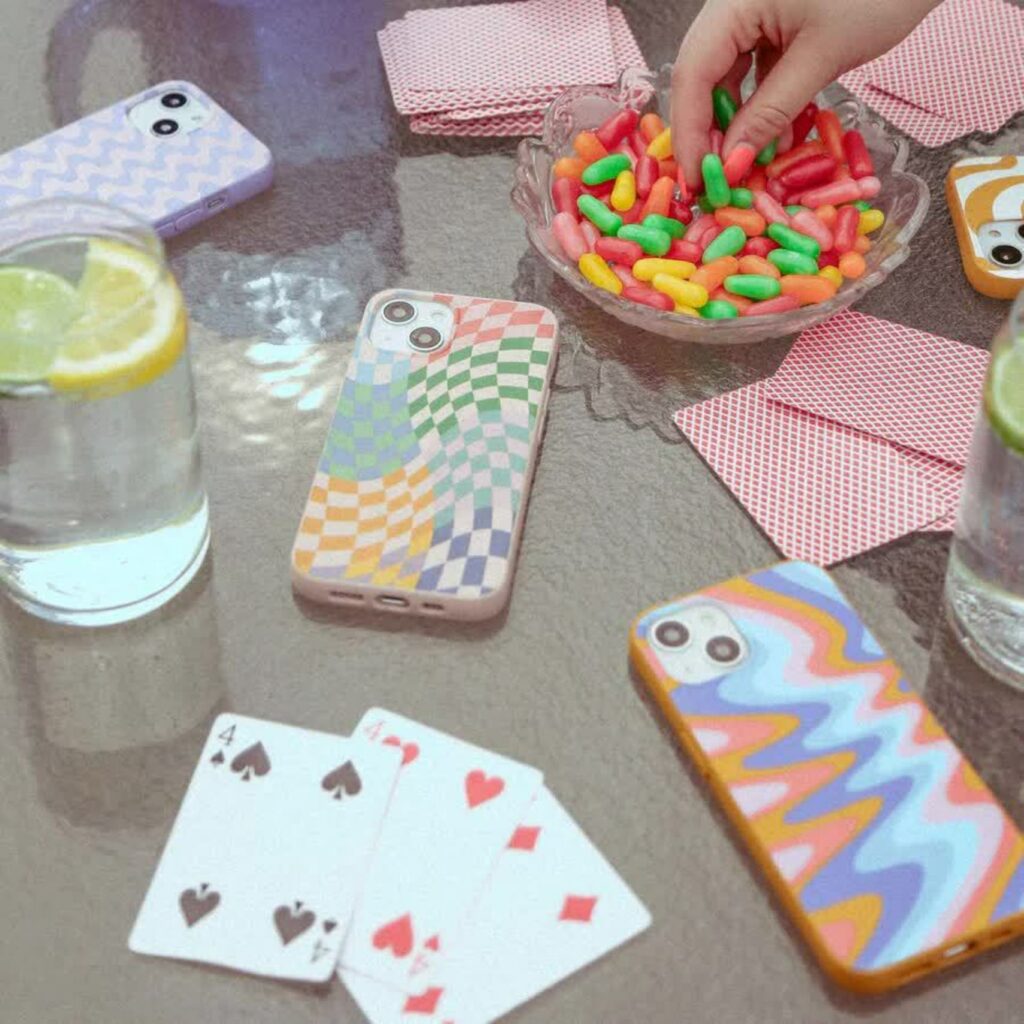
(173, 183)
(418, 501)
(879, 838)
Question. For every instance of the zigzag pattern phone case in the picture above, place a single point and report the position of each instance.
(105, 157)
(422, 480)
(879, 837)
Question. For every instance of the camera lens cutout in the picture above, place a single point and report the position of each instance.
(722, 649)
(398, 312)
(1006, 255)
(1020, 231)
(671, 634)
(165, 126)
(173, 100)
(425, 339)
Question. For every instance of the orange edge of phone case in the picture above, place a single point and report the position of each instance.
(869, 982)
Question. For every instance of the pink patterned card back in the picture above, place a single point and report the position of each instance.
(907, 386)
(820, 490)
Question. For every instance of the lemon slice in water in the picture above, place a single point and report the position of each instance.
(1004, 395)
(131, 325)
(36, 308)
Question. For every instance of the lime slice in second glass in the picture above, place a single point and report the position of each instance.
(35, 309)
(1004, 394)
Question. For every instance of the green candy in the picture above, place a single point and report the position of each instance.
(608, 168)
(705, 204)
(753, 286)
(716, 188)
(794, 240)
(862, 205)
(790, 262)
(606, 221)
(741, 198)
(718, 309)
(794, 208)
(667, 224)
(767, 155)
(729, 242)
(653, 241)
(724, 106)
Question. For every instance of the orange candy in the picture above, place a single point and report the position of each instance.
(852, 265)
(739, 301)
(830, 131)
(651, 126)
(861, 244)
(807, 288)
(589, 147)
(668, 168)
(751, 264)
(712, 274)
(569, 167)
(660, 197)
(750, 221)
(827, 215)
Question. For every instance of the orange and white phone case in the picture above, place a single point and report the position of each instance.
(986, 200)
(418, 501)
(880, 840)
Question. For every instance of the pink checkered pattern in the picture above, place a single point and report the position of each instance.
(820, 490)
(964, 63)
(907, 386)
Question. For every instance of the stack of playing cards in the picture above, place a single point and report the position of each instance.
(443, 882)
(492, 69)
(959, 71)
(859, 438)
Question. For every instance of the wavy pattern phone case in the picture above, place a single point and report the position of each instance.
(423, 480)
(173, 183)
(880, 839)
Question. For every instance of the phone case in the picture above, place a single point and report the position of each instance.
(881, 841)
(980, 190)
(419, 497)
(173, 183)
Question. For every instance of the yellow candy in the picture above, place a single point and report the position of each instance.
(870, 220)
(682, 293)
(661, 145)
(686, 310)
(645, 269)
(598, 273)
(831, 274)
(624, 192)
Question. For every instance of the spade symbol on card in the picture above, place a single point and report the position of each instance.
(251, 761)
(196, 904)
(218, 758)
(343, 780)
(395, 935)
(290, 924)
(328, 926)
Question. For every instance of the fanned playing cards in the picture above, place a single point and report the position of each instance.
(442, 881)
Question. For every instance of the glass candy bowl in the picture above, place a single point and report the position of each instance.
(903, 199)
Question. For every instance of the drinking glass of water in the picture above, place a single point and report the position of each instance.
(102, 511)
(985, 579)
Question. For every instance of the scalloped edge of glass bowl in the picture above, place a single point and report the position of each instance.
(531, 196)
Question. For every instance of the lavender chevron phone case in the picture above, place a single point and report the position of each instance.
(172, 182)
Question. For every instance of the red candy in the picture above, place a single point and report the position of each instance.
(632, 215)
(794, 156)
(757, 180)
(590, 233)
(758, 246)
(830, 131)
(776, 190)
(857, 156)
(837, 192)
(681, 249)
(695, 232)
(646, 175)
(845, 230)
(815, 170)
(617, 127)
(803, 123)
(780, 304)
(627, 279)
(618, 250)
(564, 194)
(828, 259)
(602, 191)
(648, 297)
(680, 211)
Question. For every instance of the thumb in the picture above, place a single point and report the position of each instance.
(800, 73)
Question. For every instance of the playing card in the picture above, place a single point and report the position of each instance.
(263, 864)
(453, 809)
(962, 63)
(907, 386)
(554, 905)
(929, 129)
(822, 491)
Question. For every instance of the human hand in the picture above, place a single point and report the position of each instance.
(800, 47)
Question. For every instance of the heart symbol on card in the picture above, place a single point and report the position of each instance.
(343, 780)
(195, 905)
(290, 924)
(481, 787)
(409, 750)
(396, 936)
(251, 761)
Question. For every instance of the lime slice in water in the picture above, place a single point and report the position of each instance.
(1004, 395)
(35, 310)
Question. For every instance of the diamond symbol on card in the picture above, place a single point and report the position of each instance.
(578, 908)
(426, 1003)
(524, 838)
